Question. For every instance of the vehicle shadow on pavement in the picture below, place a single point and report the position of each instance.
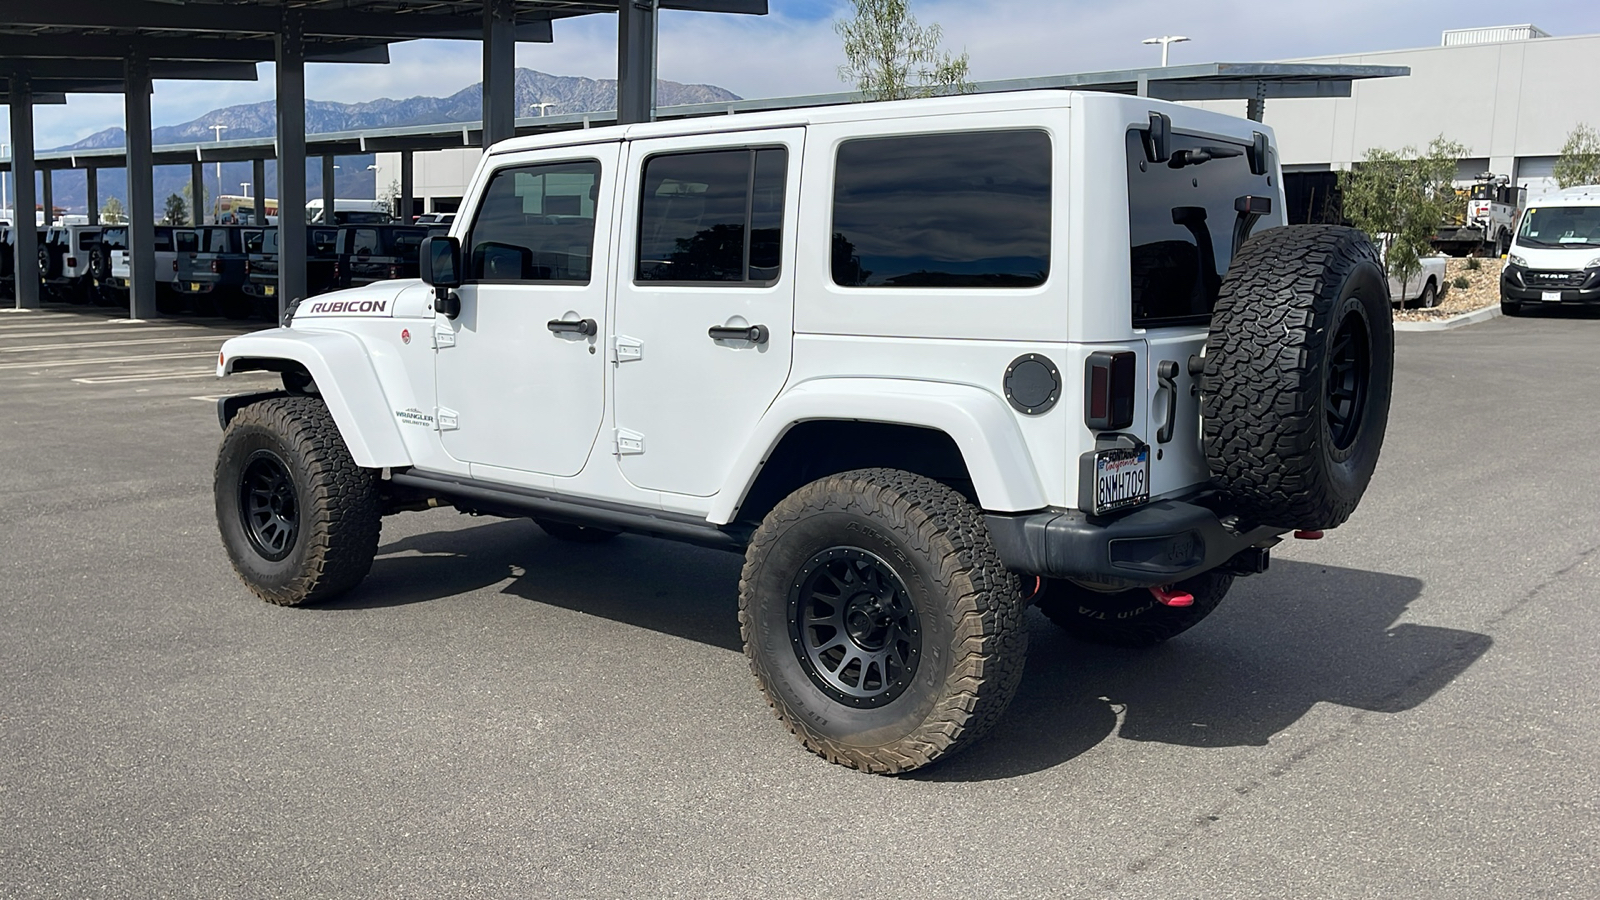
(1281, 642)
(675, 589)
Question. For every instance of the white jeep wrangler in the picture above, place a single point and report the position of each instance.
(922, 363)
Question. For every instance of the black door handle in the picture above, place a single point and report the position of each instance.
(755, 334)
(584, 327)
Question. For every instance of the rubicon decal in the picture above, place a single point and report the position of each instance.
(414, 416)
(345, 308)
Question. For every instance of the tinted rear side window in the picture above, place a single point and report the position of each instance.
(712, 216)
(943, 211)
(1181, 218)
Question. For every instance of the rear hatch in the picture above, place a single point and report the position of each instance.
(1185, 216)
(378, 253)
(217, 260)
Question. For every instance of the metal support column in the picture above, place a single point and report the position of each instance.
(258, 190)
(25, 240)
(91, 177)
(47, 196)
(636, 61)
(290, 57)
(499, 71)
(330, 190)
(141, 189)
(407, 185)
(1255, 108)
(197, 189)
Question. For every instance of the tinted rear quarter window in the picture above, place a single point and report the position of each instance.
(963, 210)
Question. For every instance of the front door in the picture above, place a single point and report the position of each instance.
(520, 372)
(705, 302)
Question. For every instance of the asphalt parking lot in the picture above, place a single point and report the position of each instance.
(1407, 708)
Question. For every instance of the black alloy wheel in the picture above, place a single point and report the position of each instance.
(1349, 378)
(269, 505)
(854, 627)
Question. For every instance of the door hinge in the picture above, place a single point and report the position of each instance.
(443, 337)
(626, 349)
(629, 443)
(447, 418)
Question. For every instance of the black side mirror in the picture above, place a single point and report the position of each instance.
(441, 262)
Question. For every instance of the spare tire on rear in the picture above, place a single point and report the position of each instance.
(1298, 369)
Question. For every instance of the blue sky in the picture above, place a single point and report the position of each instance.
(795, 51)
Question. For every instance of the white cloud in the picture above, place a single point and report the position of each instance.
(795, 51)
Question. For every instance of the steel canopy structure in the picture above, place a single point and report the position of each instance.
(48, 50)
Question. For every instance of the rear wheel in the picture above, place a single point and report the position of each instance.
(1430, 295)
(1129, 618)
(298, 517)
(879, 620)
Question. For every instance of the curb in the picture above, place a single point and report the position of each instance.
(1471, 318)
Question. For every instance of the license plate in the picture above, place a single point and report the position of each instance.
(271, 289)
(194, 285)
(1551, 296)
(1121, 479)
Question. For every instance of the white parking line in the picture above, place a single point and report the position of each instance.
(147, 376)
(127, 343)
(111, 360)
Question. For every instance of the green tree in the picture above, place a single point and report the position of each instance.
(197, 206)
(112, 213)
(1399, 198)
(177, 211)
(1579, 162)
(391, 195)
(888, 56)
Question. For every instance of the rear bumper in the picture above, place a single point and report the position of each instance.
(1160, 543)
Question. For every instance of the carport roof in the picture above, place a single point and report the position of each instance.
(1208, 81)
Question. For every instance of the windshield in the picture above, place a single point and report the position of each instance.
(1560, 226)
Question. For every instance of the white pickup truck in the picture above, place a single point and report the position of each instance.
(1423, 289)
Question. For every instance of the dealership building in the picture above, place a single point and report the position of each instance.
(1509, 94)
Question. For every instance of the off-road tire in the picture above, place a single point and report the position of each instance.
(577, 534)
(1299, 366)
(336, 502)
(1129, 618)
(968, 609)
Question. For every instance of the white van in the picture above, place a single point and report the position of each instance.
(1555, 255)
(350, 212)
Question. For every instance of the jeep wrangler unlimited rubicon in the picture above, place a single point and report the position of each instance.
(922, 363)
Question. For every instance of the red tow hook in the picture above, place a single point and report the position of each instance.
(1168, 595)
(1308, 535)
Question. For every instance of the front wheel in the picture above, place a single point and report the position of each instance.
(879, 621)
(298, 517)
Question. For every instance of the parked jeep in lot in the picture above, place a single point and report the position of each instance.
(212, 276)
(64, 262)
(369, 253)
(261, 266)
(922, 363)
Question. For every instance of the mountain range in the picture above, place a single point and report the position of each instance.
(563, 94)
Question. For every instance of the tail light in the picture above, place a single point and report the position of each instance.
(247, 267)
(1109, 381)
(336, 271)
(174, 265)
(394, 271)
(72, 262)
(216, 266)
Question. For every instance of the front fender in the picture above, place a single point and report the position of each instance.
(344, 375)
(979, 422)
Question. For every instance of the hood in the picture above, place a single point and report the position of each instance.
(1569, 259)
(376, 299)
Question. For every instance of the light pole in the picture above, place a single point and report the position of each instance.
(218, 130)
(1165, 40)
(244, 188)
(5, 178)
(543, 107)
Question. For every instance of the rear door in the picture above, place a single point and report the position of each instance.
(705, 301)
(1183, 221)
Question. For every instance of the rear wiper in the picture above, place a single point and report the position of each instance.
(1181, 158)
